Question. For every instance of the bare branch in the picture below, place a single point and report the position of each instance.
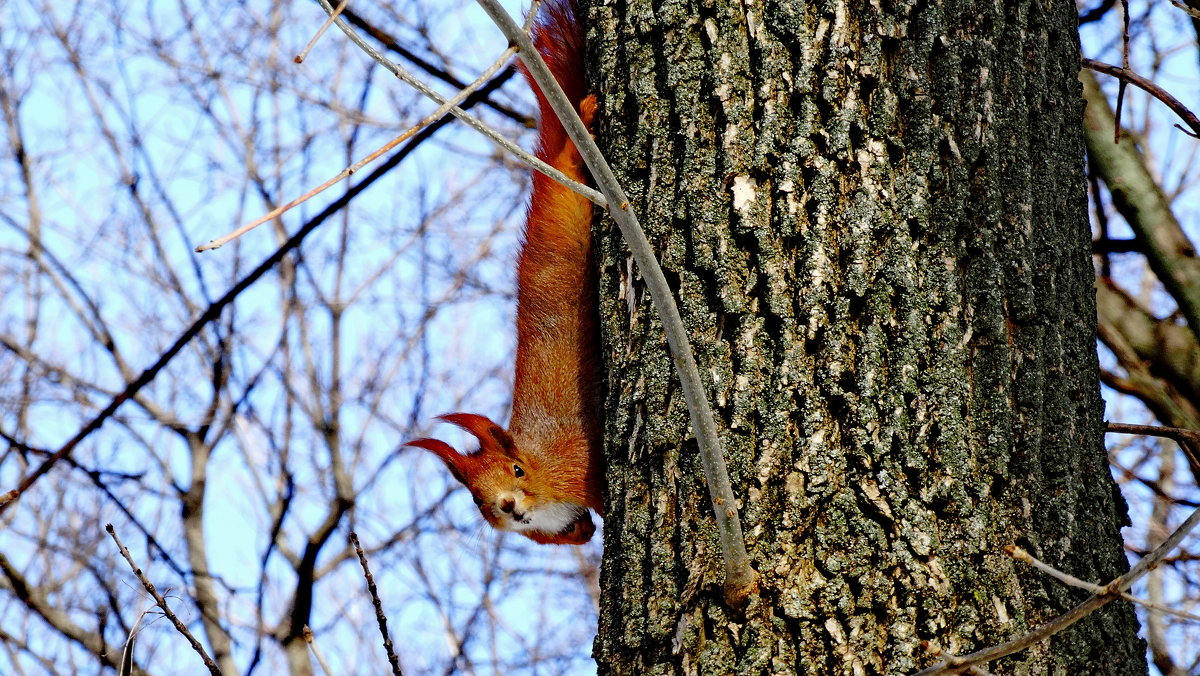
(345, 173)
(1111, 592)
(1126, 75)
(379, 616)
(1066, 578)
(392, 44)
(1188, 440)
(162, 603)
(214, 310)
(320, 31)
(495, 136)
(1194, 13)
(34, 599)
(308, 639)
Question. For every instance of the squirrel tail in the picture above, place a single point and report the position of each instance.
(558, 37)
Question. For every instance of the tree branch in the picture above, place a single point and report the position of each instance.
(1109, 593)
(162, 603)
(1141, 202)
(379, 616)
(392, 44)
(214, 310)
(495, 136)
(1188, 440)
(1126, 75)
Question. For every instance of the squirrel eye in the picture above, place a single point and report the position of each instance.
(518, 472)
(478, 502)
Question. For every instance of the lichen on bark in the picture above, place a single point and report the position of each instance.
(874, 219)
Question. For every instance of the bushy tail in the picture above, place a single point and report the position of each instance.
(558, 36)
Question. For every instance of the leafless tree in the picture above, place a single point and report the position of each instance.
(132, 134)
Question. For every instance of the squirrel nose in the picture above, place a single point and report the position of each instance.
(507, 505)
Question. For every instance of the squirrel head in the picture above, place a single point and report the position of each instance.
(507, 486)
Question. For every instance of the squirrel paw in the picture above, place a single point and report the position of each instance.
(587, 110)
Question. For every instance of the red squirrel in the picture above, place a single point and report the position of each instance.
(542, 476)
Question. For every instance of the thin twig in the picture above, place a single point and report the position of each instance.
(126, 667)
(740, 578)
(393, 45)
(345, 173)
(1194, 13)
(1066, 578)
(94, 476)
(320, 31)
(162, 603)
(308, 638)
(1188, 440)
(379, 616)
(214, 310)
(936, 651)
(493, 135)
(1126, 75)
(1124, 64)
(1111, 591)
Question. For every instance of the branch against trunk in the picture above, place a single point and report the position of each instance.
(1152, 349)
(1170, 349)
(1135, 193)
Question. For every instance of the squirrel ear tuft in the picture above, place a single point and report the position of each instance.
(446, 452)
(491, 436)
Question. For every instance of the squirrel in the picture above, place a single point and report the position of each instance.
(541, 476)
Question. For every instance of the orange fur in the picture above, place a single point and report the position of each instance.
(542, 476)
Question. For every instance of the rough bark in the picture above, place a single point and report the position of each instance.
(875, 218)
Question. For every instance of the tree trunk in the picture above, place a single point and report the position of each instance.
(875, 220)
